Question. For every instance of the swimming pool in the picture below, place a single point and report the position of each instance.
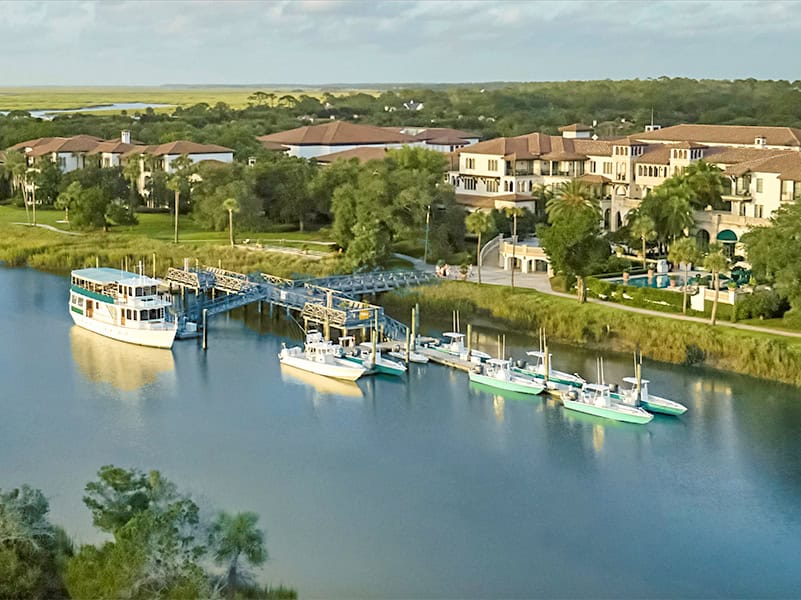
(659, 281)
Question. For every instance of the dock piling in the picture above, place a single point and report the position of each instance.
(205, 329)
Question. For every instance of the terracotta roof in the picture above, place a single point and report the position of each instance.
(112, 147)
(594, 178)
(31, 143)
(186, 147)
(516, 197)
(432, 133)
(592, 147)
(628, 141)
(77, 143)
(688, 145)
(540, 145)
(337, 133)
(731, 156)
(447, 140)
(476, 201)
(658, 154)
(274, 146)
(787, 165)
(725, 134)
(576, 127)
(363, 155)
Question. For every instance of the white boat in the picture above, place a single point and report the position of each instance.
(322, 357)
(629, 394)
(363, 355)
(414, 357)
(497, 373)
(596, 399)
(453, 344)
(540, 363)
(121, 305)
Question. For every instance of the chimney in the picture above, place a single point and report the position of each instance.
(760, 141)
(125, 136)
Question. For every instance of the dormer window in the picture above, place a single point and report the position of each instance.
(760, 141)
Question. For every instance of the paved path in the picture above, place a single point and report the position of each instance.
(541, 283)
(417, 263)
(49, 228)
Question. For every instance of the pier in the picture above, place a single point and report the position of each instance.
(328, 302)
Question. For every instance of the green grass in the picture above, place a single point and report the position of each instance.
(758, 354)
(40, 98)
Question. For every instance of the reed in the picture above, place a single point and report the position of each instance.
(757, 354)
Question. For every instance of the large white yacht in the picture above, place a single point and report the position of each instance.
(323, 357)
(121, 305)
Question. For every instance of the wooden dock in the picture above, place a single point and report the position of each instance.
(448, 360)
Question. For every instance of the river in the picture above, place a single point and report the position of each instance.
(419, 488)
(131, 107)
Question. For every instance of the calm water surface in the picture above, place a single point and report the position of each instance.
(425, 488)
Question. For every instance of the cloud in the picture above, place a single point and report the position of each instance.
(83, 42)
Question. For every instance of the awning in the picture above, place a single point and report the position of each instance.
(727, 235)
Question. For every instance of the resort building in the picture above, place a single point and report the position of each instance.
(762, 166)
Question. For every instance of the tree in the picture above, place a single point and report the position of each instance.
(513, 213)
(232, 206)
(642, 228)
(69, 197)
(478, 222)
(684, 250)
(47, 180)
(235, 539)
(132, 171)
(571, 199)
(668, 205)
(16, 164)
(182, 168)
(715, 262)
(706, 182)
(89, 208)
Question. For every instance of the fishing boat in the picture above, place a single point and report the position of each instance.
(497, 373)
(121, 305)
(322, 357)
(630, 395)
(453, 343)
(596, 399)
(539, 367)
(414, 357)
(373, 361)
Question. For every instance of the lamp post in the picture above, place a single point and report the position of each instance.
(514, 243)
(428, 221)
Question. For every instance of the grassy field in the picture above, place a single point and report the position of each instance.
(759, 354)
(57, 252)
(40, 98)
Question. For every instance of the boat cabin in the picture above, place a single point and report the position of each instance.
(597, 393)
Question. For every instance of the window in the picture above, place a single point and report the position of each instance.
(62, 162)
(508, 186)
(759, 185)
(592, 166)
(470, 163)
(607, 168)
(469, 183)
(758, 211)
(492, 165)
(492, 185)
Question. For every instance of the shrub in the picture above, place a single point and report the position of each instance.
(693, 355)
(762, 304)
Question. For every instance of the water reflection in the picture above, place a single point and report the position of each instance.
(125, 367)
(324, 386)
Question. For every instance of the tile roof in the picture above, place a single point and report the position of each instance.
(186, 147)
(658, 154)
(787, 165)
(725, 134)
(77, 143)
(476, 201)
(362, 154)
(112, 147)
(337, 133)
(576, 127)
(541, 145)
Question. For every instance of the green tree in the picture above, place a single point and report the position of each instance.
(684, 250)
(131, 171)
(572, 198)
(232, 206)
(89, 209)
(69, 197)
(182, 167)
(705, 181)
(642, 229)
(479, 223)
(47, 181)
(668, 205)
(715, 262)
(235, 540)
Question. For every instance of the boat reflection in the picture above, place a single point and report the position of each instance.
(325, 386)
(125, 367)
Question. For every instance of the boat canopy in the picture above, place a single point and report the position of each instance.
(453, 335)
(499, 362)
(633, 380)
(104, 275)
(597, 387)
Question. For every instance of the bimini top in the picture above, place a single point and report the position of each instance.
(105, 275)
(597, 387)
(633, 380)
(453, 335)
(498, 362)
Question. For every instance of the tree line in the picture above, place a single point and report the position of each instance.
(162, 545)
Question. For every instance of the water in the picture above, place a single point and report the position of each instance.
(131, 107)
(429, 488)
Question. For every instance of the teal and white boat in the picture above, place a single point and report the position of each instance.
(539, 364)
(629, 394)
(453, 344)
(363, 355)
(596, 399)
(497, 373)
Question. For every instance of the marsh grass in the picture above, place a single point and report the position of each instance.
(757, 354)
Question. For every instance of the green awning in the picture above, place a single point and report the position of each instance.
(727, 235)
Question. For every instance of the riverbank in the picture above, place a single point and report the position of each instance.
(51, 251)
(760, 355)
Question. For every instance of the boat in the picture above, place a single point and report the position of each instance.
(414, 357)
(322, 357)
(453, 344)
(121, 305)
(539, 364)
(596, 399)
(363, 355)
(648, 401)
(323, 386)
(497, 373)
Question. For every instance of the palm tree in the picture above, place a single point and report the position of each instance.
(571, 199)
(685, 251)
(643, 229)
(677, 210)
(182, 169)
(131, 172)
(478, 222)
(17, 166)
(542, 195)
(706, 182)
(513, 212)
(234, 538)
(68, 197)
(715, 262)
(232, 206)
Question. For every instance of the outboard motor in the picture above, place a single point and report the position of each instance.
(520, 364)
(572, 395)
(614, 388)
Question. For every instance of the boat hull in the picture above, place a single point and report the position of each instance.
(555, 383)
(414, 357)
(153, 338)
(665, 407)
(509, 386)
(607, 412)
(337, 371)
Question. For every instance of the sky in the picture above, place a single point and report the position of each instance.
(122, 42)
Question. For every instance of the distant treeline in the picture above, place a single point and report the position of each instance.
(492, 109)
